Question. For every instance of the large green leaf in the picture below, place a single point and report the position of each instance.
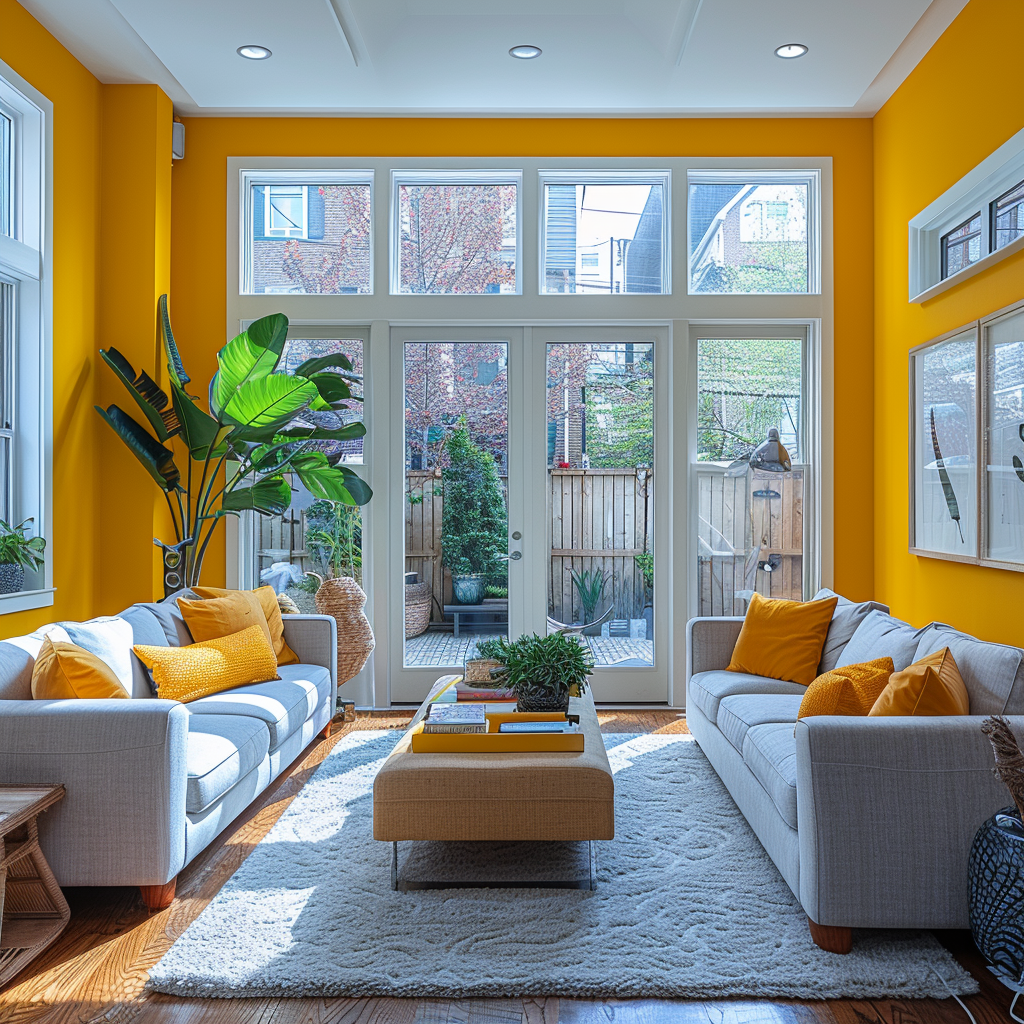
(269, 403)
(358, 488)
(331, 387)
(199, 430)
(271, 496)
(174, 365)
(157, 460)
(311, 366)
(151, 399)
(241, 360)
(332, 482)
(309, 432)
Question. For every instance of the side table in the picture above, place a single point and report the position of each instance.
(34, 911)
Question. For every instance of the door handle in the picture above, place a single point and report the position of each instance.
(515, 555)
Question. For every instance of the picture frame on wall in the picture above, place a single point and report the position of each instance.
(944, 497)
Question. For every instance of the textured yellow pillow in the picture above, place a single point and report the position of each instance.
(271, 609)
(187, 673)
(931, 686)
(850, 690)
(783, 639)
(64, 670)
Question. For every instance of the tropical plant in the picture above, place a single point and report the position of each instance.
(542, 666)
(645, 563)
(474, 522)
(334, 535)
(269, 424)
(590, 585)
(17, 549)
(947, 487)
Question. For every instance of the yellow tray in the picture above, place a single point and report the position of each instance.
(494, 742)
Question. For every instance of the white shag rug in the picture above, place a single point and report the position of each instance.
(687, 905)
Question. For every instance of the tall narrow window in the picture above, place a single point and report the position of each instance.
(7, 349)
(1008, 216)
(962, 246)
(6, 175)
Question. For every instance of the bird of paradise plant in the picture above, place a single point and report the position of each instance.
(258, 428)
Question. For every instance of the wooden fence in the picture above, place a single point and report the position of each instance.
(743, 520)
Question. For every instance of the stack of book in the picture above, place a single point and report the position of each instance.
(447, 717)
(474, 692)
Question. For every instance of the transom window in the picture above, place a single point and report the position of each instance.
(962, 246)
(1008, 216)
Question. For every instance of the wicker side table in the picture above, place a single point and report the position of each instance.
(34, 911)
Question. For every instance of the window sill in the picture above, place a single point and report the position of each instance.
(968, 272)
(25, 600)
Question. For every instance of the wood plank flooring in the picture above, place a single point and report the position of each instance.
(97, 970)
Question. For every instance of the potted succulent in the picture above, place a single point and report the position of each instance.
(544, 671)
(18, 553)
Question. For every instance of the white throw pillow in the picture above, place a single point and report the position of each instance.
(110, 638)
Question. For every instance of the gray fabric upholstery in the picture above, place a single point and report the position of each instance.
(991, 672)
(167, 614)
(769, 751)
(110, 639)
(845, 620)
(314, 638)
(881, 636)
(282, 704)
(146, 629)
(222, 749)
(709, 688)
(122, 762)
(738, 713)
(887, 811)
(18, 658)
(709, 643)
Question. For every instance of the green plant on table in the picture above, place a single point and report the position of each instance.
(267, 424)
(17, 549)
(590, 585)
(544, 666)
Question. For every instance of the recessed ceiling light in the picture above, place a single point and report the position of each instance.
(790, 50)
(525, 52)
(253, 52)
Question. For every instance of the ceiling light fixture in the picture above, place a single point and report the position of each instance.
(253, 52)
(790, 50)
(525, 52)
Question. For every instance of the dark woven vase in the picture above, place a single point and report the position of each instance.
(996, 892)
(12, 578)
(542, 701)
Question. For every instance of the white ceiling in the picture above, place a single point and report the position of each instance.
(658, 57)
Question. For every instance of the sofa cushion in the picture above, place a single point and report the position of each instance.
(707, 689)
(881, 636)
(769, 751)
(175, 631)
(146, 629)
(845, 620)
(992, 673)
(282, 704)
(109, 638)
(221, 750)
(64, 671)
(738, 714)
(18, 657)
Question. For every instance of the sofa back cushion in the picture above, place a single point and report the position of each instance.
(881, 636)
(18, 658)
(146, 629)
(845, 620)
(992, 673)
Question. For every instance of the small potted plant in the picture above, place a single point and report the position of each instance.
(18, 553)
(544, 671)
(487, 668)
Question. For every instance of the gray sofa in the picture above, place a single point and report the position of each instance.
(150, 783)
(869, 820)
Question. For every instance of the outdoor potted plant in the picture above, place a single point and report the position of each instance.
(18, 553)
(590, 585)
(544, 671)
(487, 668)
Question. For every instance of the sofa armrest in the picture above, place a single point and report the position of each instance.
(123, 765)
(887, 809)
(710, 642)
(314, 638)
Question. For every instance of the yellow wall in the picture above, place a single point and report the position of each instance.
(199, 259)
(935, 128)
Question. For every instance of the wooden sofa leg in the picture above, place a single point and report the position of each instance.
(326, 731)
(831, 938)
(158, 897)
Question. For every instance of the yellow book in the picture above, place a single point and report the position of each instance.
(494, 742)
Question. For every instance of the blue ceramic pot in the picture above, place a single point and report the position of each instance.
(468, 589)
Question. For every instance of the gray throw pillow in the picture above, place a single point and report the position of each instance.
(881, 636)
(845, 620)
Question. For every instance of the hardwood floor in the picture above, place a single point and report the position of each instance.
(97, 969)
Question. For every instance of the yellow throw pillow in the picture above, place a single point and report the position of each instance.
(783, 639)
(268, 602)
(931, 686)
(63, 671)
(850, 690)
(214, 617)
(187, 673)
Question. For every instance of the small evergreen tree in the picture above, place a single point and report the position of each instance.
(474, 521)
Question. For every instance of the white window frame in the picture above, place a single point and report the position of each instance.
(811, 177)
(585, 176)
(250, 178)
(26, 262)
(268, 231)
(446, 176)
(974, 192)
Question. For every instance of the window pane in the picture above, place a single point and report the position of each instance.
(601, 497)
(1004, 448)
(1008, 216)
(310, 239)
(962, 246)
(750, 533)
(7, 302)
(748, 238)
(602, 239)
(457, 239)
(6, 175)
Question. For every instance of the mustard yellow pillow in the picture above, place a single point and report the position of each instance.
(64, 670)
(850, 690)
(214, 617)
(931, 686)
(187, 673)
(271, 609)
(783, 639)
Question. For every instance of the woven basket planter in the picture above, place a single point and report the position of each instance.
(417, 609)
(343, 599)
